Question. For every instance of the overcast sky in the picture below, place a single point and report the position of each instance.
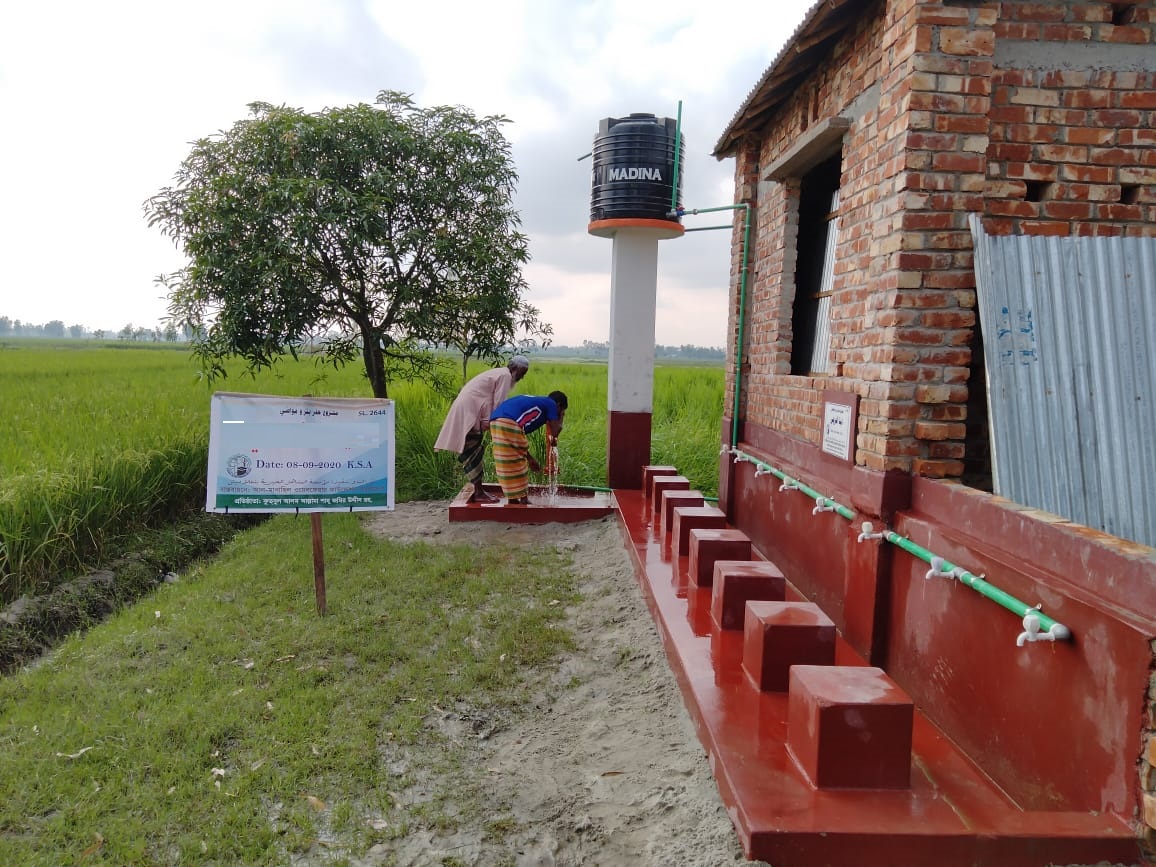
(101, 100)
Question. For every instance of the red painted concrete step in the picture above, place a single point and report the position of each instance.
(569, 506)
(952, 815)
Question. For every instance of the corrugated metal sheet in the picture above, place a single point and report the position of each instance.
(1069, 330)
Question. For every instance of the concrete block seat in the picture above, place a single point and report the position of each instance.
(650, 472)
(687, 518)
(780, 635)
(665, 483)
(737, 582)
(849, 727)
(709, 546)
(673, 498)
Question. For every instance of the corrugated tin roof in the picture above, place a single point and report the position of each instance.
(823, 24)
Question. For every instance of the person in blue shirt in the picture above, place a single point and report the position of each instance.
(512, 420)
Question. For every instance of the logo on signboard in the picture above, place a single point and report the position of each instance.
(238, 466)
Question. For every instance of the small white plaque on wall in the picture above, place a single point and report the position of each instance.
(838, 428)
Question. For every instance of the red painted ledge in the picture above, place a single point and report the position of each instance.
(952, 816)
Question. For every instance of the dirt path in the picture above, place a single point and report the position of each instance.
(607, 770)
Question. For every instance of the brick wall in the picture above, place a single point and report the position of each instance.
(1035, 150)
(1072, 149)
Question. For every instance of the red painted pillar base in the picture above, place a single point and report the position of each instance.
(627, 449)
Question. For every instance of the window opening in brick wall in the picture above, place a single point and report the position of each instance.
(815, 268)
(1123, 13)
(1129, 194)
(1037, 191)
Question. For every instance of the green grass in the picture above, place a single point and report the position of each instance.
(103, 440)
(222, 721)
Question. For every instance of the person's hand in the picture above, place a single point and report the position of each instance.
(534, 465)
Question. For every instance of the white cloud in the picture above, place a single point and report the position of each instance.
(101, 102)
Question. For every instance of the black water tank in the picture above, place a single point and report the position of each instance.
(633, 169)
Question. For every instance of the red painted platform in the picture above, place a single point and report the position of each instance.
(953, 815)
(569, 506)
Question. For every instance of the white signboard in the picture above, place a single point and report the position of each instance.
(837, 431)
(297, 454)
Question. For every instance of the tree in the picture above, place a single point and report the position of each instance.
(363, 228)
(487, 318)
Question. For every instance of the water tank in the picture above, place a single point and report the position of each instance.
(633, 172)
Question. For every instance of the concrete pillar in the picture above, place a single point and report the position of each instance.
(633, 294)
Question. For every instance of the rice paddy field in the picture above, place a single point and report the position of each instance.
(101, 439)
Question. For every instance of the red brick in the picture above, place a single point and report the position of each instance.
(957, 162)
(949, 319)
(1036, 11)
(1066, 33)
(938, 430)
(1090, 136)
(1066, 210)
(1126, 35)
(1116, 118)
(937, 469)
(1115, 156)
(953, 451)
(1056, 153)
(1031, 171)
(1088, 174)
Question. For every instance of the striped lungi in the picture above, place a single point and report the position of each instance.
(510, 464)
(472, 456)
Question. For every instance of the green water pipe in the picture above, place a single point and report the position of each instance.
(677, 154)
(1048, 629)
(742, 315)
(822, 501)
(945, 569)
(676, 211)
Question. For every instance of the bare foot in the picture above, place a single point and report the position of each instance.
(520, 501)
(480, 495)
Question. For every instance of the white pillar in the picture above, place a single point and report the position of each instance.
(633, 298)
(633, 292)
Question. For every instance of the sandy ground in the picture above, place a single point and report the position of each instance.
(608, 772)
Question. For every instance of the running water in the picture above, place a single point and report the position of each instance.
(551, 471)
